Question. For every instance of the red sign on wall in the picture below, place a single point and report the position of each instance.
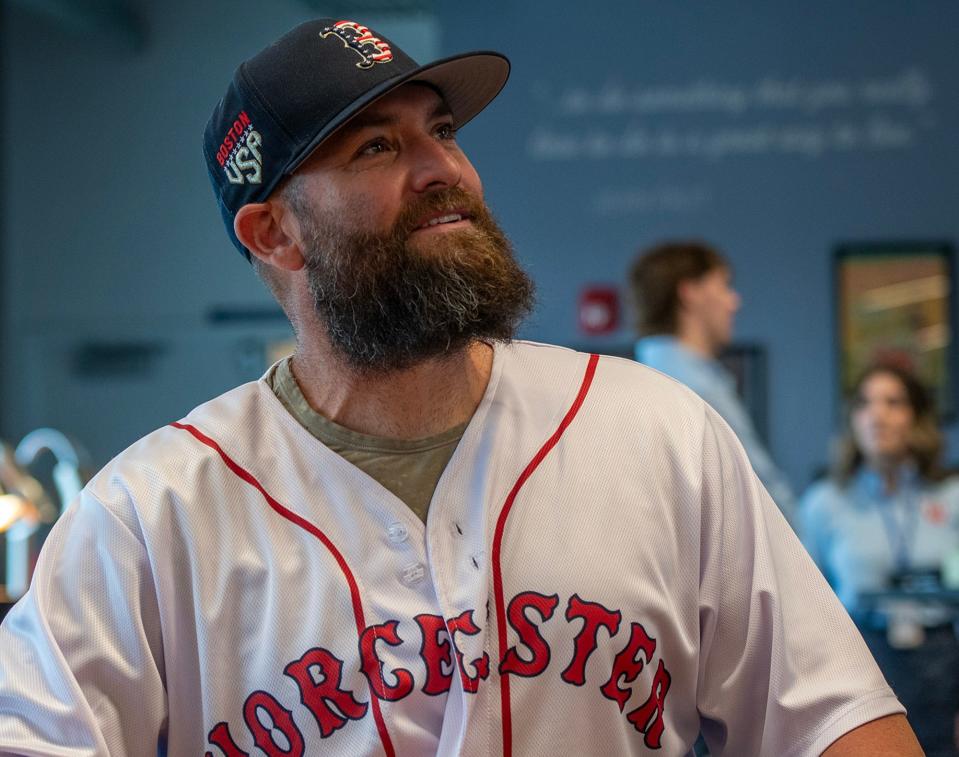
(599, 309)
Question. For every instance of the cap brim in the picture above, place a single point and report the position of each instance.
(468, 83)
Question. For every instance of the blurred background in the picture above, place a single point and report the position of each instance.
(776, 132)
(813, 143)
(779, 133)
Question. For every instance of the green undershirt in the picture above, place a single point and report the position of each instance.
(408, 468)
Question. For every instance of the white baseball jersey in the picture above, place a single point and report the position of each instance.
(600, 574)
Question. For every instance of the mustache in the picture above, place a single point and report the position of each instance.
(446, 200)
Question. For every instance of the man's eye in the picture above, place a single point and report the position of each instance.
(446, 131)
(374, 148)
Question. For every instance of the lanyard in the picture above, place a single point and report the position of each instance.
(901, 533)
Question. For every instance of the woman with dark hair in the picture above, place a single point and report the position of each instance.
(889, 514)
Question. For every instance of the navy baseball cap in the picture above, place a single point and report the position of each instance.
(287, 99)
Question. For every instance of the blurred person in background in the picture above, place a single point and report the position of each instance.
(886, 518)
(686, 304)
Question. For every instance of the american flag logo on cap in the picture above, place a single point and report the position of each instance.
(361, 40)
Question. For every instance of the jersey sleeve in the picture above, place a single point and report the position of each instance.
(783, 670)
(81, 653)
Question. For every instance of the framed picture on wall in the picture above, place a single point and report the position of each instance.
(896, 304)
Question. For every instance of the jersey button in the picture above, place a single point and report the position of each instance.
(398, 533)
(413, 574)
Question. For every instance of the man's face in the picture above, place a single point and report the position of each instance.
(404, 260)
(400, 148)
(713, 302)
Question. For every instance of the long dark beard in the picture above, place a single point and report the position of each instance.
(388, 305)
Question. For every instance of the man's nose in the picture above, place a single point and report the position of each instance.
(434, 166)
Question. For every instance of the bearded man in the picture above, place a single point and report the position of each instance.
(418, 536)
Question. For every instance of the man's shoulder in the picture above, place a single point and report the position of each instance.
(545, 352)
(668, 355)
(170, 452)
(623, 382)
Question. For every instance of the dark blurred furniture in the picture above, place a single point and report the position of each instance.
(926, 677)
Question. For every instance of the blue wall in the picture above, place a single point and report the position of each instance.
(111, 237)
(112, 244)
(776, 132)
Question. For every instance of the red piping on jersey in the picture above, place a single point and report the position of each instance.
(498, 543)
(245, 475)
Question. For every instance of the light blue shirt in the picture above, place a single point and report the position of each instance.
(860, 535)
(711, 381)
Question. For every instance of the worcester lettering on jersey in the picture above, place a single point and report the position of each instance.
(318, 673)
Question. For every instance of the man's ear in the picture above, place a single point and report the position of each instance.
(686, 291)
(269, 231)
